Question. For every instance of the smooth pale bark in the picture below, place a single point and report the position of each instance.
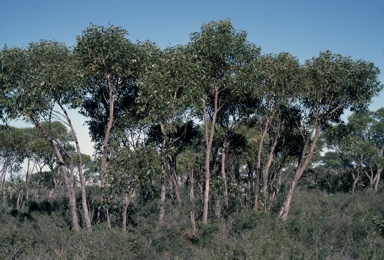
(126, 202)
(192, 201)
(27, 180)
(302, 166)
(209, 133)
(379, 170)
(162, 192)
(258, 164)
(223, 173)
(68, 178)
(4, 172)
(164, 165)
(84, 203)
(108, 129)
(176, 185)
(256, 190)
(377, 177)
(266, 176)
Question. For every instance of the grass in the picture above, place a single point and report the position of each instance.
(320, 226)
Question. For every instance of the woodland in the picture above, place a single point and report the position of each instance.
(207, 150)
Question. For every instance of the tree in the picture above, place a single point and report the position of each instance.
(333, 83)
(359, 143)
(37, 81)
(166, 91)
(275, 81)
(222, 52)
(108, 62)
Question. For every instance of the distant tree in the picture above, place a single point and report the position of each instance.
(359, 144)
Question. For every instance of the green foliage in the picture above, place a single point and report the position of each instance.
(270, 109)
(320, 226)
(107, 62)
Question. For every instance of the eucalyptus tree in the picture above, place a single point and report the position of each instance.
(275, 80)
(11, 147)
(167, 89)
(333, 83)
(223, 52)
(359, 144)
(108, 63)
(376, 138)
(37, 81)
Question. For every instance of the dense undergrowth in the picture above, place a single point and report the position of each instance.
(320, 226)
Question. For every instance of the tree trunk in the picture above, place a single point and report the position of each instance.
(64, 170)
(84, 203)
(302, 166)
(209, 133)
(126, 202)
(4, 172)
(223, 175)
(192, 201)
(256, 190)
(175, 179)
(354, 184)
(162, 194)
(377, 177)
(27, 179)
(266, 181)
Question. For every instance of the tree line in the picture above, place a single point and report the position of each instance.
(213, 124)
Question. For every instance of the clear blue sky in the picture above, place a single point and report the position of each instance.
(300, 27)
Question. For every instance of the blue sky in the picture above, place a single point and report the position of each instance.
(300, 27)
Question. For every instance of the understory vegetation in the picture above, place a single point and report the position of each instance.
(320, 226)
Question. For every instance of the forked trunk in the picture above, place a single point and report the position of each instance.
(68, 178)
(304, 162)
(84, 203)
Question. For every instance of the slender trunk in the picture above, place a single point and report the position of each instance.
(370, 176)
(4, 172)
(259, 172)
(256, 190)
(377, 178)
(354, 184)
(302, 166)
(356, 178)
(84, 203)
(250, 182)
(162, 194)
(258, 164)
(209, 133)
(192, 200)
(173, 177)
(107, 132)
(217, 207)
(223, 174)
(27, 180)
(176, 185)
(266, 169)
(126, 202)
(64, 170)
(72, 200)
